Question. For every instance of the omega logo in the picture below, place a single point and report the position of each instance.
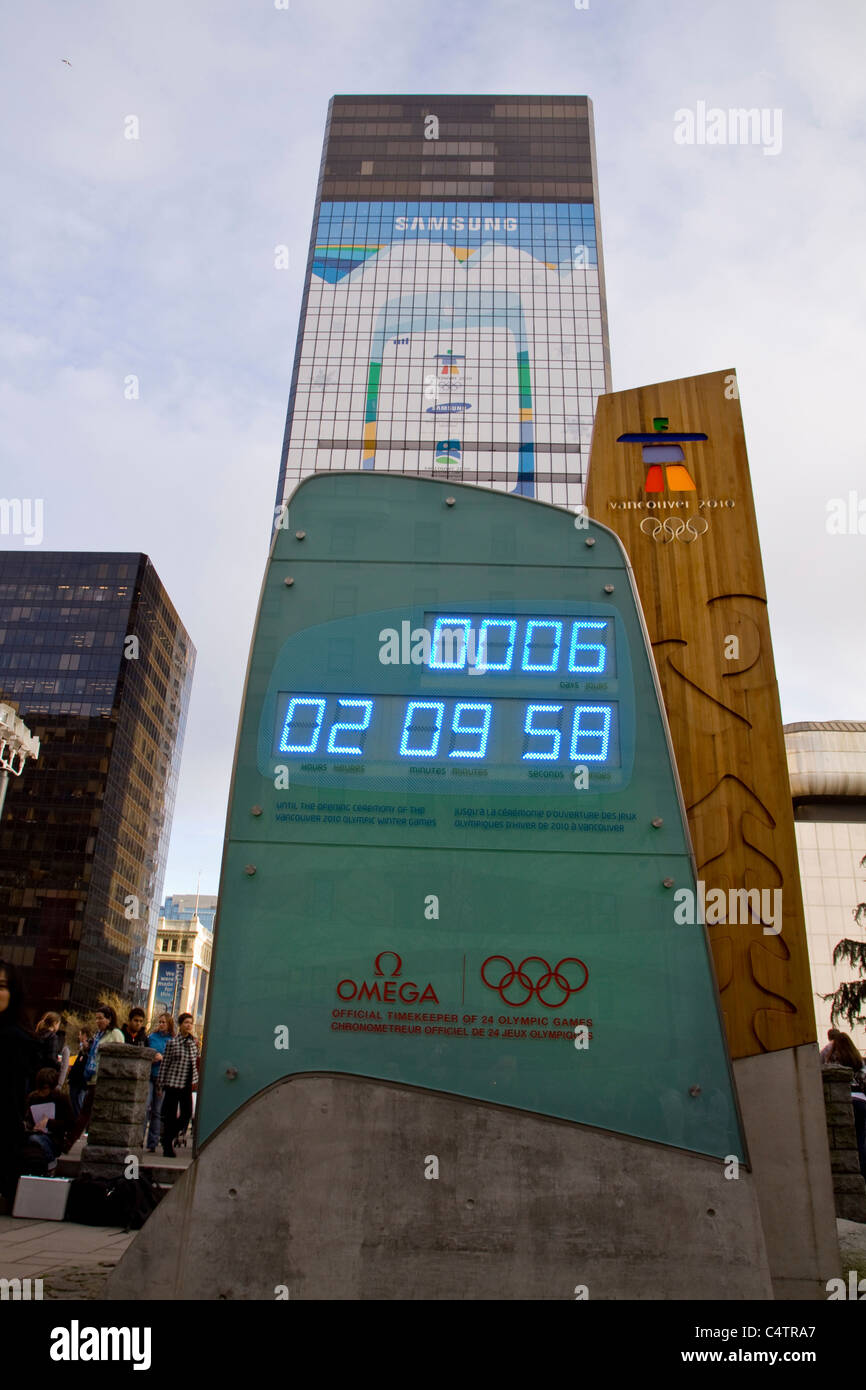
(386, 990)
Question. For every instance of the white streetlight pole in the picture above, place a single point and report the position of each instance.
(17, 744)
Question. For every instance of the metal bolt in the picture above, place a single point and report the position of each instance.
(232, 1073)
(255, 810)
(299, 535)
(449, 501)
(590, 540)
(694, 1091)
(608, 588)
(289, 582)
(657, 822)
(668, 882)
(250, 869)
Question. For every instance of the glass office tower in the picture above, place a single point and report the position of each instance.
(100, 667)
(453, 322)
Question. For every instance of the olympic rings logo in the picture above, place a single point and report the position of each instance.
(674, 529)
(518, 977)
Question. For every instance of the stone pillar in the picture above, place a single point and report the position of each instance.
(119, 1107)
(849, 1188)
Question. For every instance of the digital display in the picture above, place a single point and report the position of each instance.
(520, 646)
(399, 728)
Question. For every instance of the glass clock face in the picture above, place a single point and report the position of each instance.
(456, 699)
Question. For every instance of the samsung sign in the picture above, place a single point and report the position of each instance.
(455, 224)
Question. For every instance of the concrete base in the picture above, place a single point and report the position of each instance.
(318, 1185)
(782, 1104)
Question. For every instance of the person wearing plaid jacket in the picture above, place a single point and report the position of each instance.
(178, 1074)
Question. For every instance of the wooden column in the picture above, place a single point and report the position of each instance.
(690, 532)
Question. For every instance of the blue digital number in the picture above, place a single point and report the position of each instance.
(482, 730)
(296, 704)
(587, 647)
(529, 729)
(578, 733)
(445, 631)
(360, 727)
(484, 644)
(413, 706)
(528, 641)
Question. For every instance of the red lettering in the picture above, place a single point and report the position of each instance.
(353, 987)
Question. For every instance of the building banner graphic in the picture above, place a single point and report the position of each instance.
(451, 339)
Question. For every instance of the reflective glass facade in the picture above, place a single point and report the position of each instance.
(100, 667)
(453, 321)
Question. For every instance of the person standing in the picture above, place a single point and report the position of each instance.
(17, 1050)
(847, 1054)
(49, 1044)
(133, 1030)
(159, 1041)
(178, 1073)
(77, 1083)
(107, 1031)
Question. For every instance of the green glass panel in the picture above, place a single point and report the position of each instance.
(460, 919)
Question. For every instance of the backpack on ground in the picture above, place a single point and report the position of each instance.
(125, 1202)
(133, 1199)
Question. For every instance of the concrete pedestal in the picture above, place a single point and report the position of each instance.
(318, 1187)
(782, 1104)
(119, 1108)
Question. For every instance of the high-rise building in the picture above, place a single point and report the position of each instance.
(100, 667)
(827, 767)
(185, 907)
(453, 321)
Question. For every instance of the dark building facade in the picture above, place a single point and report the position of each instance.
(100, 667)
(453, 321)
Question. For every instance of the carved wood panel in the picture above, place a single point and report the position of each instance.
(697, 563)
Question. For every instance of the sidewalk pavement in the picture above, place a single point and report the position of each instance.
(72, 1261)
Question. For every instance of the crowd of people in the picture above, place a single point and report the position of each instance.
(47, 1091)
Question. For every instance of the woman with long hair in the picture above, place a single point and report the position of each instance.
(107, 1031)
(845, 1053)
(50, 1043)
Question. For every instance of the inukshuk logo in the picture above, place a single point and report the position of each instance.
(534, 976)
(665, 459)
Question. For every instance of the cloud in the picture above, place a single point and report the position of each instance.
(155, 258)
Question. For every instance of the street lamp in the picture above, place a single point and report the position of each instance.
(17, 744)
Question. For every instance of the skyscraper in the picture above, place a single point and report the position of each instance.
(453, 321)
(100, 666)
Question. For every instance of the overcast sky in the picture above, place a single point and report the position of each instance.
(155, 258)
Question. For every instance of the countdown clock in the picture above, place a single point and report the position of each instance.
(455, 826)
